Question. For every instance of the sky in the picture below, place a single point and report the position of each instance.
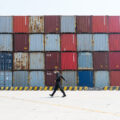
(59, 7)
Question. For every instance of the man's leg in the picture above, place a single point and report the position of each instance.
(55, 89)
(61, 89)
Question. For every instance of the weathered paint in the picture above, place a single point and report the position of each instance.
(6, 24)
(101, 42)
(85, 60)
(37, 61)
(101, 79)
(70, 77)
(20, 78)
(68, 24)
(37, 78)
(20, 61)
(36, 42)
(36, 24)
(52, 42)
(84, 42)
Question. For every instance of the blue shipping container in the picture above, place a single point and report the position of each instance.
(1, 61)
(85, 78)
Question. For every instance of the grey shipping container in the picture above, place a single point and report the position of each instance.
(36, 42)
(6, 24)
(6, 42)
(37, 61)
(20, 78)
(70, 77)
(37, 78)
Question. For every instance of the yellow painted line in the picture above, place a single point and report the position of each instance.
(51, 88)
(111, 88)
(75, 88)
(35, 88)
(21, 88)
(70, 88)
(85, 88)
(65, 88)
(117, 88)
(45, 88)
(25, 88)
(6, 88)
(80, 88)
(106, 88)
(2, 88)
(15, 88)
(40, 88)
(30, 88)
(11, 88)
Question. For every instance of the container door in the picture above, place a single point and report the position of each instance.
(8, 79)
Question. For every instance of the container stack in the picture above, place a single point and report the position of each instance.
(85, 49)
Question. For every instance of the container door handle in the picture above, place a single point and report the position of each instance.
(104, 21)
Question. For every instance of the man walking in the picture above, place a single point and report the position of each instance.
(58, 85)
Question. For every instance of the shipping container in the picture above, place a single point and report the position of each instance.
(36, 61)
(37, 78)
(114, 42)
(52, 24)
(85, 78)
(84, 24)
(50, 78)
(114, 24)
(84, 42)
(68, 42)
(5, 79)
(52, 60)
(114, 78)
(101, 60)
(101, 79)
(21, 42)
(100, 42)
(1, 61)
(20, 78)
(36, 42)
(6, 42)
(68, 24)
(114, 60)
(52, 42)
(20, 24)
(85, 60)
(20, 61)
(6, 24)
(99, 24)
(70, 77)
(36, 24)
(69, 61)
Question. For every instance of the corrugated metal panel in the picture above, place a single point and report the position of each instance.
(101, 79)
(37, 61)
(36, 24)
(20, 24)
(37, 78)
(2, 79)
(36, 42)
(101, 60)
(6, 24)
(99, 24)
(68, 61)
(114, 60)
(20, 61)
(50, 78)
(20, 78)
(68, 24)
(85, 78)
(84, 24)
(71, 78)
(1, 61)
(6, 42)
(84, 42)
(52, 42)
(68, 42)
(52, 24)
(114, 42)
(114, 24)
(114, 78)
(52, 60)
(100, 42)
(85, 60)
(21, 42)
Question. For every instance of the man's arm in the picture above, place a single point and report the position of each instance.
(63, 78)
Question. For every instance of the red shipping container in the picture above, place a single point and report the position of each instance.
(99, 24)
(114, 60)
(68, 42)
(114, 42)
(114, 24)
(21, 24)
(52, 24)
(52, 60)
(69, 61)
(21, 42)
(115, 78)
(83, 24)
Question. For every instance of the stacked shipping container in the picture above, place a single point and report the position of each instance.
(85, 49)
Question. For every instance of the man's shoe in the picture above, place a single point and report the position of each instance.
(51, 95)
(64, 96)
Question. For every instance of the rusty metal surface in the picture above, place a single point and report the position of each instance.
(36, 24)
